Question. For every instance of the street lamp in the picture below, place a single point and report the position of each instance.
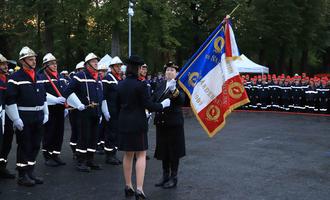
(130, 15)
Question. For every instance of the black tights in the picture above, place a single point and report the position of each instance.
(171, 165)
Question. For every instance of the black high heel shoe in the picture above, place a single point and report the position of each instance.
(140, 195)
(129, 192)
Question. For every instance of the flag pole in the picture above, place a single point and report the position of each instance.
(233, 10)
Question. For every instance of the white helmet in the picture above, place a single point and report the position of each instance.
(3, 59)
(48, 57)
(102, 67)
(91, 56)
(64, 72)
(116, 60)
(26, 52)
(80, 65)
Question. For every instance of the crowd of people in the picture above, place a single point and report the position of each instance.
(298, 93)
(108, 108)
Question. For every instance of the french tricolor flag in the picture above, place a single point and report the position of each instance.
(212, 82)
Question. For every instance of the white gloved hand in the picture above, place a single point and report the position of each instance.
(45, 119)
(166, 103)
(18, 124)
(149, 119)
(60, 100)
(172, 85)
(81, 107)
(66, 112)
(107, 116)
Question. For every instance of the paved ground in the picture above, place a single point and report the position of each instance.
(256, 156)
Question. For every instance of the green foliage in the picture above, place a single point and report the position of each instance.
(284, 35)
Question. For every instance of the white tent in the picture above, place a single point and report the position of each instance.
(245, 65)
(105, 61)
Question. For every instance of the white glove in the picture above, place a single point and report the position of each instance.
(46, 113)
(18, 124)
(172, 85)
(166, 103)
(105, 110)
(81, 107)
(74, 101)
(45, 119)
(66, 112)
(60, 100)
(107, 116)
(3, 117)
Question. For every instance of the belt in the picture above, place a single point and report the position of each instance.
(35, 108)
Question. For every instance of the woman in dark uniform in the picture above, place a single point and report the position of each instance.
(170, 141)
(133, 99)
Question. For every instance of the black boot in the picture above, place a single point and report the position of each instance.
(112, 159)
(164, 179)
(172, 182)
(90, 162)
(24, 179)
(49, 161)
(5, 173)
(100, 149)
(58, 159)
(81, 163)
(74, 153)
(37, 180)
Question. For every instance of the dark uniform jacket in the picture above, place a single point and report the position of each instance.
(110, 84)
(171, 116)
(60, 83)
(133, 98)
(87, 89)
(26, 93)
(170, 141)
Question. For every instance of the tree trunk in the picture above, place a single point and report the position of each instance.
(81, 36)
(4, 47)
(303, 60)
(281, 60)
(290, 70)
(326, 60)
(49, 27)
(115, 42)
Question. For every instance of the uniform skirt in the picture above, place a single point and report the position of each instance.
(132, 141)
(170, 142)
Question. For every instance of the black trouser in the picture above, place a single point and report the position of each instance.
(54, 131)
(171, 166)
(28, 144)
(111, 136)
(285, 104)
(7, 139)
(87, 136)
(73, 118)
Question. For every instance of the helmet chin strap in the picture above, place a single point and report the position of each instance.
(91, 66)
(27, 64)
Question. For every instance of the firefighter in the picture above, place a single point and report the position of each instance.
(85, 94)
(54, 128)
(110, 83)
(7, 136)
(26, 106)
